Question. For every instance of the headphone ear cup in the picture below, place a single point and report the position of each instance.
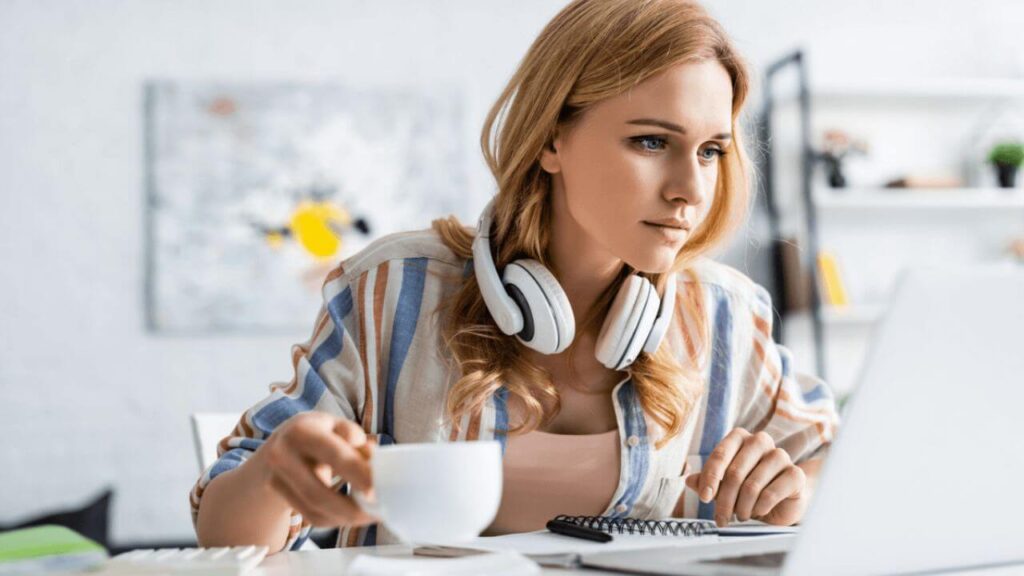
(666, 310)
(547, 308)
(628, 324)
(644, 325)
(610, 343)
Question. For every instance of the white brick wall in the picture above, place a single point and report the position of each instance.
(87, 397)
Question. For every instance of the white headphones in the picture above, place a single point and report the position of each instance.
(528, 301)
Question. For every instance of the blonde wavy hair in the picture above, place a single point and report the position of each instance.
(592, 50)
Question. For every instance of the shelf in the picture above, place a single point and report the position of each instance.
(932, 89)
(886, 198)
(901, 107)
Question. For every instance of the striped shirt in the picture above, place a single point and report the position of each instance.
(375, 357)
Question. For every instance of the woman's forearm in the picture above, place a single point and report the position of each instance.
(239, 508)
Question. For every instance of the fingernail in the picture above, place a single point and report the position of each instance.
(706, 494)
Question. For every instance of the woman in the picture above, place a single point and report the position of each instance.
(617, 152)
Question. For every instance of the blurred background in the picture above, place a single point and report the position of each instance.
(176, 178)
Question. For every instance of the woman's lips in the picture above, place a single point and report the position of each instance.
(671, 223)
(668, 232)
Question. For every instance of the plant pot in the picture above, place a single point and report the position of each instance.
(1007, 174)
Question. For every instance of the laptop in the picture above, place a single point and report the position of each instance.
(927, 470)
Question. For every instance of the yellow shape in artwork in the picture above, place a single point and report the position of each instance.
(316, 226)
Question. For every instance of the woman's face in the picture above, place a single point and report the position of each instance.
(639, 169)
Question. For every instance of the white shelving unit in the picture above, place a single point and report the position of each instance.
(926, 127)
(930, 89)
(918, 198)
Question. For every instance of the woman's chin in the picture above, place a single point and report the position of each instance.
(657, 262)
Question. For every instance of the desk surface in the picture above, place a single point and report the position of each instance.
(333, 562)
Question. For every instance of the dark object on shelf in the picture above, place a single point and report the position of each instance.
(1007, 158)
(1007, 175)
(834, 168)
(837, 146)
(91, 520)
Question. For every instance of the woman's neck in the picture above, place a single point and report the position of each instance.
(583, 268)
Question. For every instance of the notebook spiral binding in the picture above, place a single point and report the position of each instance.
(636, 526)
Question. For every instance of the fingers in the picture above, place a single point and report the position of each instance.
(754, 447)
(300, 458)
(773, 463)
(357, 438)
(714, 468)
(324, 439)
(320, 505)
(789, 484)
(345, 460)
(351, 432)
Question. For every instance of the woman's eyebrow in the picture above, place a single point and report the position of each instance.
(673, 127)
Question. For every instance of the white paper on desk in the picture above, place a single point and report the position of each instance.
(756, 528)
(499, 564)
(544, 542)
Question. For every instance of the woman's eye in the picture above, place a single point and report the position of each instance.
(711, 154)
(650, 143)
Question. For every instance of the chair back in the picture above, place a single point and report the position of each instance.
(209, 428)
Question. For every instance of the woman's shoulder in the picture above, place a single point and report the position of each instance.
(417, 247)
(718, 280)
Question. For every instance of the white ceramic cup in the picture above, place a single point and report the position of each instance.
(434, 493)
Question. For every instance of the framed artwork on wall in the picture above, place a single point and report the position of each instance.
(254, 191)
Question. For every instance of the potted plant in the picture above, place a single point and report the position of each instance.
(1007, 157)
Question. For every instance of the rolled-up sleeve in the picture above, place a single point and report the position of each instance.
(797, 410)
(328, 376)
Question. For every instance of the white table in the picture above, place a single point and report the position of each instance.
(332, 562)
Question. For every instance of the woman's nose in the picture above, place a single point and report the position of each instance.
(686, 185)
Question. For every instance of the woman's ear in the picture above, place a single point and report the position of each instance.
(549, 159)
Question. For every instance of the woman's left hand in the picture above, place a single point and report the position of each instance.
(748, 475)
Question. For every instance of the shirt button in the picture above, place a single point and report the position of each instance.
(621, 508)
(633, 441)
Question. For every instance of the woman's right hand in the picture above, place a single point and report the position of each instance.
(301, 457)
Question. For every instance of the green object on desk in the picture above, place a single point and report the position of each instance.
(42, 548)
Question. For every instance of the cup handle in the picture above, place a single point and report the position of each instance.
(371, 507)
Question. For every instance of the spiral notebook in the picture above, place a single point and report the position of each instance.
(633, 526)
(683, 536)
(628, 534)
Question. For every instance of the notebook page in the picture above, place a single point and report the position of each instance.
(545, 542)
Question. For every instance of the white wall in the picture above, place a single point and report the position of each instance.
(88, 397)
